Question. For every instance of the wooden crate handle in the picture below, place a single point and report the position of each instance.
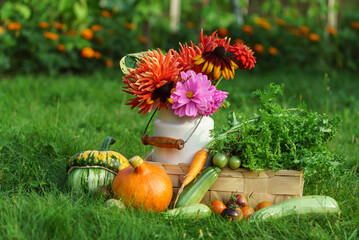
(164, 142)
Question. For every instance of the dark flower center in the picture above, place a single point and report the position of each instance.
(219, 51)
(163, 92)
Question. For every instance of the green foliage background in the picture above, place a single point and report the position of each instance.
(131, 26)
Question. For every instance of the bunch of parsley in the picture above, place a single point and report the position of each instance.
(280, 138)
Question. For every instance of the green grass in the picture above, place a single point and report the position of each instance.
(44, 121)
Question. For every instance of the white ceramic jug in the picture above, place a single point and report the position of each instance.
(169, 125)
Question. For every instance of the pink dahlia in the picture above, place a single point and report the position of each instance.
(191, 94)
(194, 95)
(218, 98)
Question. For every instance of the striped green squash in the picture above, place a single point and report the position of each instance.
(91, 169)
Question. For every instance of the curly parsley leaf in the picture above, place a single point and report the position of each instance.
(280, 138)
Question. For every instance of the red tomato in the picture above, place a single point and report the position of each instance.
(263, 205)
(247, 211)
(217, 206)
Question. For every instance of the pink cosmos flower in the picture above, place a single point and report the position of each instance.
(195, 95)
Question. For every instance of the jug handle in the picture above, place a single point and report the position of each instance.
(164, 142)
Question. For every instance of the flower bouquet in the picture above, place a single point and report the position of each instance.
(183, 86)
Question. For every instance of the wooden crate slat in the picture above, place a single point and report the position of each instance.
(272, 186)
(228, 184)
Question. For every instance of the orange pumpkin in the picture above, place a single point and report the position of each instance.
(143, 185)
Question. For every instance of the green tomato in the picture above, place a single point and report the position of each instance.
(234, 162)
(220, 160)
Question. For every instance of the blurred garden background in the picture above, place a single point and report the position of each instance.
(82, 36)
(60, 94)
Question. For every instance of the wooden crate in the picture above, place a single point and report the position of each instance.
(256, 186)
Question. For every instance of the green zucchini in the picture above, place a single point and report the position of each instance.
(194, 211)
(194, 192)
(314, 204)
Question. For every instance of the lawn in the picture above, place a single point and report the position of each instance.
(44, 121)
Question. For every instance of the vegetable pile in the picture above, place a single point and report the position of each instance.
(280, 138)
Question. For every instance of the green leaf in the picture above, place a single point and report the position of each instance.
(129, 62)
(65, 5)
(24, 10)
(80, 11)
(6, 10)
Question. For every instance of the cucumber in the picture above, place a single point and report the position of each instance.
(314, 204)
(194, 211)
(194, 192)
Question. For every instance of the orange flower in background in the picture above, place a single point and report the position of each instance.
(272, 51)
(129, 26)
(13, 26)
(87, 52)
(44, 25)
(190, 24)
(238, 40)
(222, 32)
(355, 25)
(70, 32)
(98, 40)
(97, 55)
(258, 48)
(96, 28)
(61, 47)
(294, 31)
(314, 37)
(115, 9)
(331, 30)
(304, 31)
(142, 39)
(247, 29)
(108, 63)
(87, 33)
(263, 23)
(105, 13)
(59, 25)
(51, 36)
(1, 30)
(280, 22)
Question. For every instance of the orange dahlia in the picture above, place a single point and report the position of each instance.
(151, 81)
(185, 57)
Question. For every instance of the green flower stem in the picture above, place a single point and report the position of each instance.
(219, 80)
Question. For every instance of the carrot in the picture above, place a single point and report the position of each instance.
(197, 164)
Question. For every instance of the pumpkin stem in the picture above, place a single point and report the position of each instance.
(107, 143)
(135, 161)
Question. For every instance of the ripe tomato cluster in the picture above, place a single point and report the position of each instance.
(236, 208)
